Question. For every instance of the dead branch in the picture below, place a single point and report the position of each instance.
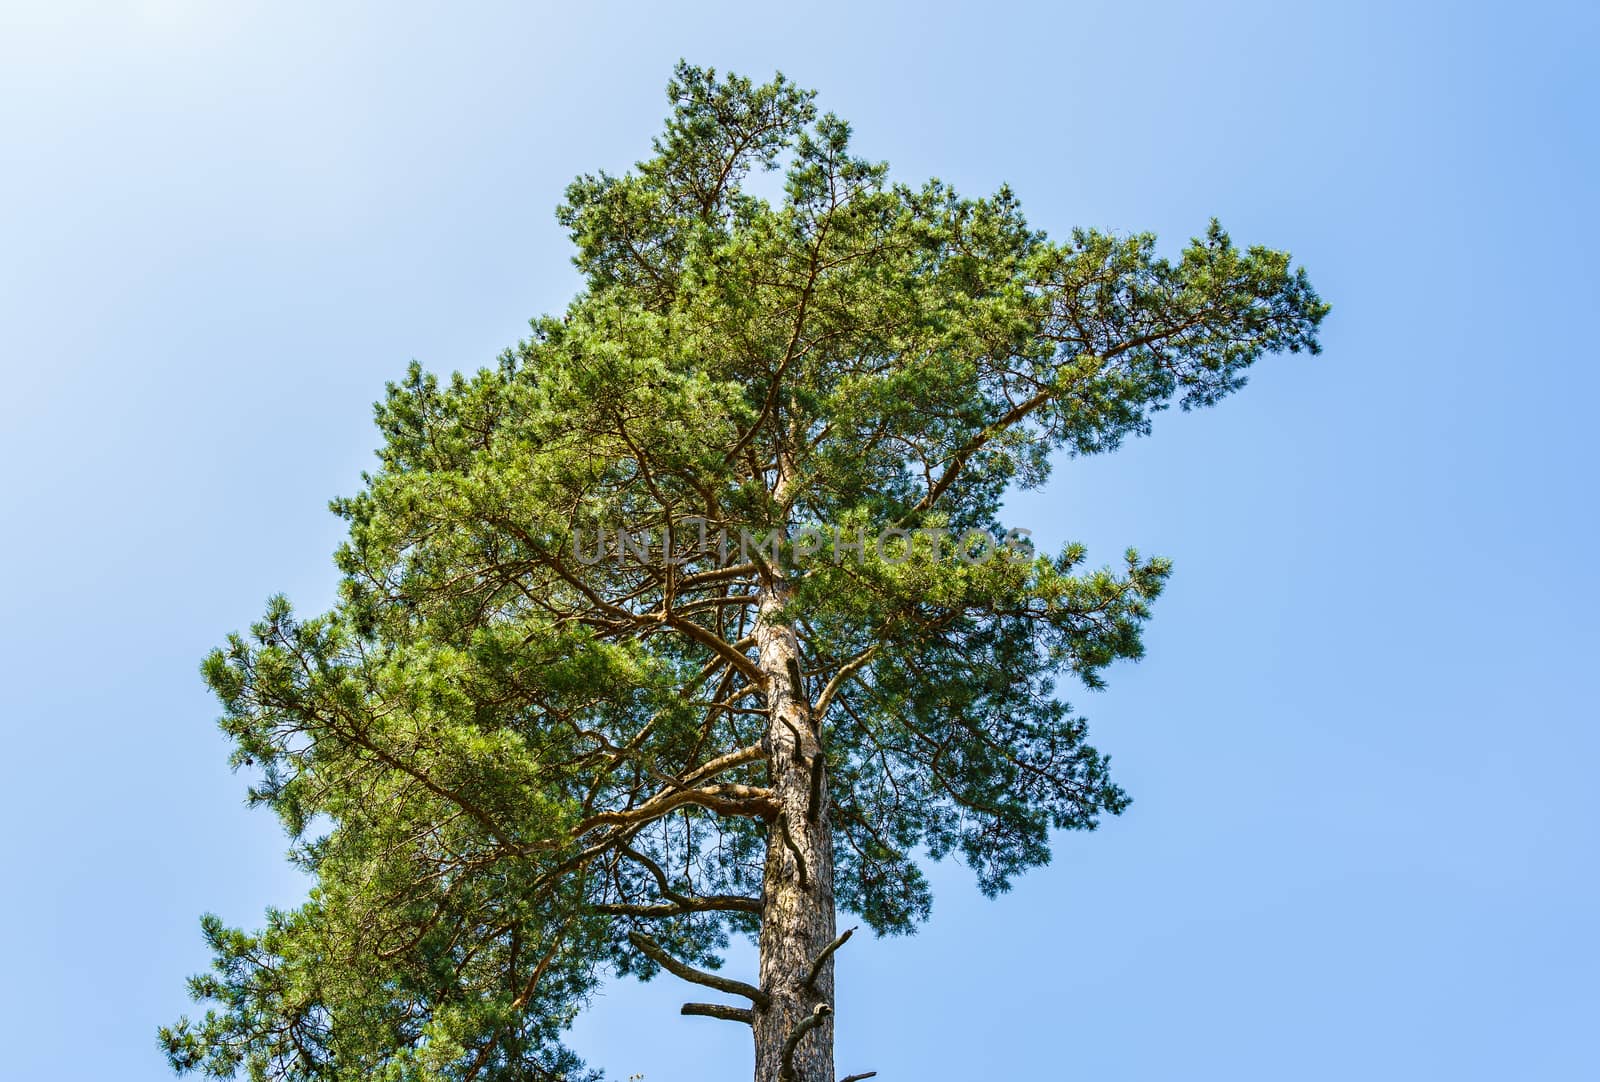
(801, 1028)
(822, 959)
(721, 1010)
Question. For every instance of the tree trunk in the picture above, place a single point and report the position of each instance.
(794, 1035)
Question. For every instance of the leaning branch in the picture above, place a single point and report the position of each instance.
(801, 1028)
(724, 763)
(822, 959)
(652, 950)
(846, 671)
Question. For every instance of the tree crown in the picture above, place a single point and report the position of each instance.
(507, 748)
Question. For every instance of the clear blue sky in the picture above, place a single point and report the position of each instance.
(1363, 747)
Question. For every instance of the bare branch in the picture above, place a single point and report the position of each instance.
(859, 1077)
(652, 950)
(721, 1010)
(822, 959)
(801, 1028)
(724, 762)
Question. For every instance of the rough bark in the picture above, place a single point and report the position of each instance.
(794, 1033)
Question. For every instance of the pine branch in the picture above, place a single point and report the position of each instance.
(748, 800)
(716, 903)
(680, 902)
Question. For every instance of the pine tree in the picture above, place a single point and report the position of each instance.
(695, 617)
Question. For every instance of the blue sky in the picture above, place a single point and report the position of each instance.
(1363, 746)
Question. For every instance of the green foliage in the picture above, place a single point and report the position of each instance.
(497, 759)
